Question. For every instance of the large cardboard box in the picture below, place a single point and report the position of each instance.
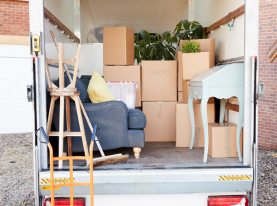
(222, 140)
(206, 45)
(180, 71)
(196, 63)
(125, 73)
(161, 121)
(183, 124)
(159, 80)
(118, 46)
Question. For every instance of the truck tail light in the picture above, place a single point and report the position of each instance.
(64, 202)
(228, 200)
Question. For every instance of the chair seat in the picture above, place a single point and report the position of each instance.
(136, 119)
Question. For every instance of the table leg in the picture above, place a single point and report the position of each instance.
(205, 127)
(191, 114)
(222, 110)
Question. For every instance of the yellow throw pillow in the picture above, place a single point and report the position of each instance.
(98, 90)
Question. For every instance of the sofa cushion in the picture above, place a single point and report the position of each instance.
(136, 119)
(81, 87)
(85, 79)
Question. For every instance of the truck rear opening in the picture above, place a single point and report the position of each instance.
(164, 174)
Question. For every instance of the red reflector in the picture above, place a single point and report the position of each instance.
(228, 200)
(65, 202)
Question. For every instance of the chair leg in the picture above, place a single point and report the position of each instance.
(239, 125)
(61, 131)
(137, 151)
(205, 128)
(81, 125)
(68, 126)
(222, 110)
(191, 114)
(50, 114)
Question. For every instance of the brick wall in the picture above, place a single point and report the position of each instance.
(14, 18)
(268, 75)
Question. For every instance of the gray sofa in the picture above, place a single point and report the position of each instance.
(120, 126)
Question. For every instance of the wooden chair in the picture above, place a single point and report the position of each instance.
(65, 94)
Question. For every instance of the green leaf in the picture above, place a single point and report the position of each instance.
(186, 24)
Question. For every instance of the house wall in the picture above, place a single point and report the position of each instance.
(268, 75)
(14, 18)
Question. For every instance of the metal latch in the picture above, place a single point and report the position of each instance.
(30, 93)
(260, 90)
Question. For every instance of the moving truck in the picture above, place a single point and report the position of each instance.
(149, 184)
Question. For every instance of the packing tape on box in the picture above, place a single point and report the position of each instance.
(159, 110)
(228, 140)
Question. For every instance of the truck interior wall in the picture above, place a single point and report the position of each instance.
(64, 11)
(158, 16)
(87, 22)
(229, 44)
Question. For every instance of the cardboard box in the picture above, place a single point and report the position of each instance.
(161, 121)
(125, 73)
(222, 140)
(186, 88)
(180, 97)
(183, 124)
(196, 63)
(180, 71)
(118, 46)
(159, 80)
(206, 45)
(234, 100)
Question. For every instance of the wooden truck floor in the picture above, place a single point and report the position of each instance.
(161, 155)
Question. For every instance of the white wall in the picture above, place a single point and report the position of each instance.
(64, 11)
(87, 22)
(229, 44)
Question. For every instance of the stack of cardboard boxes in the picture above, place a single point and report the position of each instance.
(118, 57)
(163, 90)
(159, 98)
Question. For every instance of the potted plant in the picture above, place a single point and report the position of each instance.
(195, 61)
(154, 47)
(156, 53)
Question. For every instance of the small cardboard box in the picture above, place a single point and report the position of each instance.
(125, 73)
(161, 121)
(118, 46)
(186, 88)
(159, 80)
(222, 140)
(183, 124)
(206, 45)
(196, 63)
(180, 71)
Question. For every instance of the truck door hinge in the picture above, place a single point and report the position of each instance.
(260, 90)
(30, 93)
